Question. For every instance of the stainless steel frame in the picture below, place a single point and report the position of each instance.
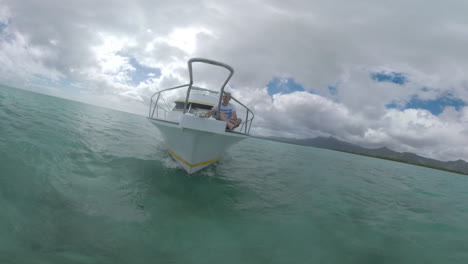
(245, 125)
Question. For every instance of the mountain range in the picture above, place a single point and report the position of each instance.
(458, 166)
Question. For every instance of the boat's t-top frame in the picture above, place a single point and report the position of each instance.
(246, 124)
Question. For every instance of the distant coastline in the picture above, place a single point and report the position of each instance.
(330, 143)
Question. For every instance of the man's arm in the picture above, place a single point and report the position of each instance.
(235, 121)
(210, 113)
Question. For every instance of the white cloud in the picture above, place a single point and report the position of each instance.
(316, 43)
(4, 14)
(107, 57)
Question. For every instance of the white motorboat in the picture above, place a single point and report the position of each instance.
(193, 141)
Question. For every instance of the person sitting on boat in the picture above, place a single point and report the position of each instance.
(228, 112)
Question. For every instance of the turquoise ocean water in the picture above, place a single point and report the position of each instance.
(83, 184)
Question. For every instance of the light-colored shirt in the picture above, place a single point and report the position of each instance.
(228, 109)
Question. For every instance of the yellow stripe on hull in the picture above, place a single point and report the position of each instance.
(190, 164)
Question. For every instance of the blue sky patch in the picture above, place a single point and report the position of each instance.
(393, 77)
(142, 73)
(333, 90)
(2, 27)
(284, 86)
(434, 106)
(5, 35)
(425, 89)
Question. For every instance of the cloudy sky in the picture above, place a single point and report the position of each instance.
(375, 73)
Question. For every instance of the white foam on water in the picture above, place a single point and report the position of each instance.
(170, 163)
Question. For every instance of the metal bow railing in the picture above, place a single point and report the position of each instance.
(155, 105)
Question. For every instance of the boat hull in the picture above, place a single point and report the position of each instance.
(195, 147)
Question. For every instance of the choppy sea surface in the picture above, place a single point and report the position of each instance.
(84, 184)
